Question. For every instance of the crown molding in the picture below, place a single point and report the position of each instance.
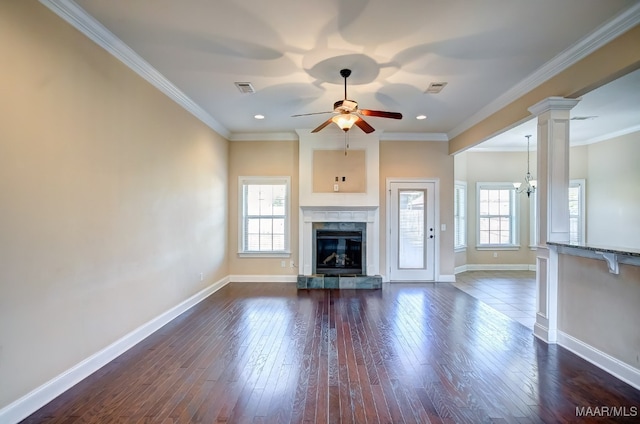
(598, 38)
(609, 136)
(293, 136)
(407, 136)
(266, 136)
(69, 11)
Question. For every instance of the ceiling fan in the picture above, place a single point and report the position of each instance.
(348, 113)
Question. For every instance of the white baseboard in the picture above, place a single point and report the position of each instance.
(608, 363)
(494, 267)
(263, 278)
(37, 398)
(446, 278)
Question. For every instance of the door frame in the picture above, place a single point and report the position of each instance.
(436, 218)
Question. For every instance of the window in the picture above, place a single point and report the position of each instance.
(460, 215)
(264, 208)
(497, 216)
(576, 211)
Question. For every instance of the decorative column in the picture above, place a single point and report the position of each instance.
(552, 208)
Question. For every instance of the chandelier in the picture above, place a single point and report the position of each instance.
(529, 185)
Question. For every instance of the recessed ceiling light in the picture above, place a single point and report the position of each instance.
(420, 117)
(258, 116)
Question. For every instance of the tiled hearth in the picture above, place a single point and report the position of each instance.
(339, 282)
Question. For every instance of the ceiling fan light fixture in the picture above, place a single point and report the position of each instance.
(421, 117)
(345, 121)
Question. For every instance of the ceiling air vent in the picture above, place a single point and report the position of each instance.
(245, 87)
(436, 87)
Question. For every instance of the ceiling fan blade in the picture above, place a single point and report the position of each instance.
(364, 126)
(324, 124)
(381, 114)
(314, 113)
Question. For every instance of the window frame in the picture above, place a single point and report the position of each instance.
(514, 216)
(460, 216)
(244, 181)
(579, 182)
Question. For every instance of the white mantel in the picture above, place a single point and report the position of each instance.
(365, 214)
(339, 207)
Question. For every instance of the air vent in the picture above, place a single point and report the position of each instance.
(436, 87)
(245, 87)
(583, 118)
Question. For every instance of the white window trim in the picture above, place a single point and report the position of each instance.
(463, 247)
(515, 212)
(244, 180)
(533, 220)
(583, 191)
(580, 182)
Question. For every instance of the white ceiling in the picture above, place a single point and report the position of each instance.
(292, 51)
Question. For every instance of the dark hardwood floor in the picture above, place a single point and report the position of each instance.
(268, 353)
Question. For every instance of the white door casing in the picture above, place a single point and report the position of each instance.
(411, 230)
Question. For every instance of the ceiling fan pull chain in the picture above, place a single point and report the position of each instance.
(346, 142)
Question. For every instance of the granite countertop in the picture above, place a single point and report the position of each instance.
(597, 248)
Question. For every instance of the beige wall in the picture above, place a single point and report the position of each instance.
(414, 159)
(474, 167)
(498, 167)
(599, 308)
(262, 158)
(329, 164)
(613, 192)
(113, 200)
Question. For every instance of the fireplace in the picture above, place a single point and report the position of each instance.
(338, 252)
(335, 248)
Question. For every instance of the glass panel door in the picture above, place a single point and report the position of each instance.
(411, 229)
(411, 212)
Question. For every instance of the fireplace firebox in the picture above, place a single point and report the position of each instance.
(338, 252)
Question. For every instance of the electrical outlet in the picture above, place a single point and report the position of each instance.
(292, 264)
(201, 276)
(495, 254)
(283, 264)
(336, 187)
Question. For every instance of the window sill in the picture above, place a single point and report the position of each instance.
(460, 249)
(498, 247)
(264, 254)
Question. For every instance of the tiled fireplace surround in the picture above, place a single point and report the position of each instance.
(338, 208)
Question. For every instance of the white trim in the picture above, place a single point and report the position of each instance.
(294, 136)
(459, 269)
(268, 254)
(608, 136)
(263, 278)
(514, 216)
(37, 398)
(446, 278)
(94, 30)
(496, 267)
(436, 217)
(598, 38)
(272, 136)
(264, 180)
(410, 136)
(463, 212)
(606, 362)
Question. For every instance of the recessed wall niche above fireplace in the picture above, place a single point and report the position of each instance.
(339, 248)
